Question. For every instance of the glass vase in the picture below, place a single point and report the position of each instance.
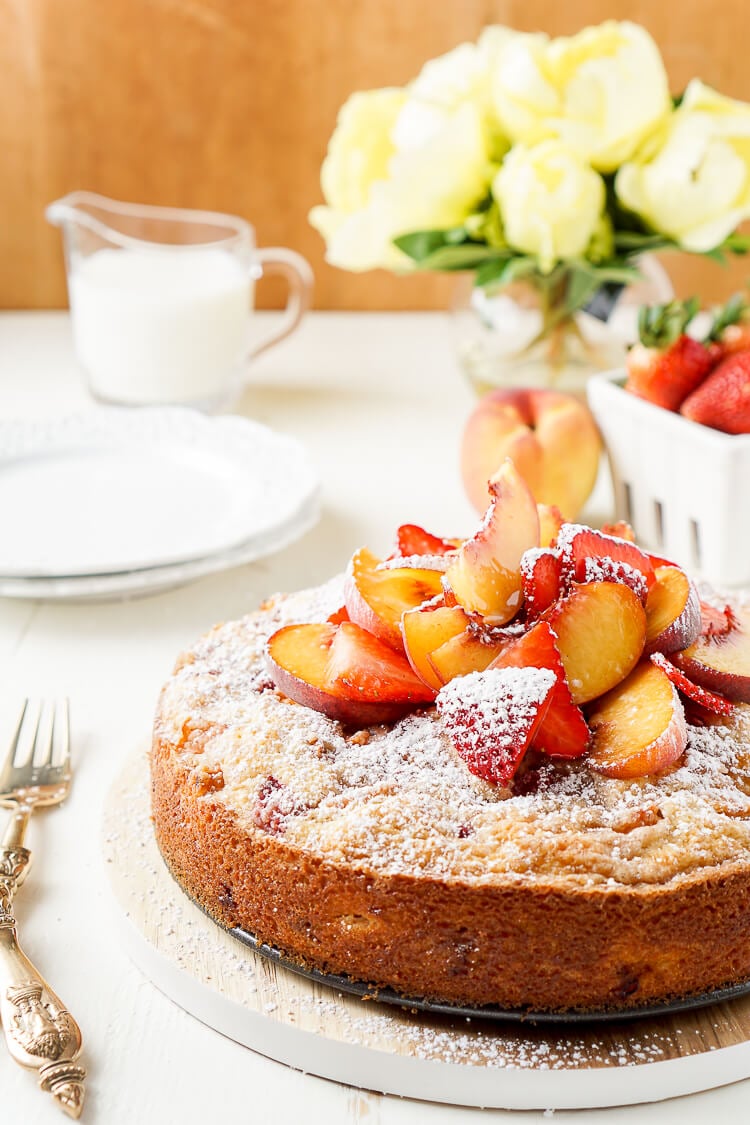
(517, 335)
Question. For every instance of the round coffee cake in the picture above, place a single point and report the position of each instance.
(375, 853)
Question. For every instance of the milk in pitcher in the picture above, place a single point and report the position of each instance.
(162, 324)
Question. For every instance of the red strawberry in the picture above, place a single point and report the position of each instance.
(717, 622)
(592, 556)
(338, 616)
(411, 539)
(563, 731)
(362, 667)
(492, 717)
(540, 579)
(711, 700)
(723, 400)
(666, 365)
(730, 331)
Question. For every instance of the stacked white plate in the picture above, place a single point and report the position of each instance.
(119, 502)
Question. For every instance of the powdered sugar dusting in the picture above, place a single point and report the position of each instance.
(418, 562)
(498, 697)
(604, 569)
(400, 799)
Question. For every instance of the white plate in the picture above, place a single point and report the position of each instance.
(125, 501)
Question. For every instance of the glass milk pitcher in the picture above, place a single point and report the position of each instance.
(161, 299)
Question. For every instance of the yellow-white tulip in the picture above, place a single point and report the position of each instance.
(550, 201)
(693, 184)
(603, 91)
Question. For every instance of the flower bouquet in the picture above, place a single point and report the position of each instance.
(546, 168)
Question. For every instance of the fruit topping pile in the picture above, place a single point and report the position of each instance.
(533, 634)
(707, 381)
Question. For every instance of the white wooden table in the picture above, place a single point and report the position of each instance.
(380, 404)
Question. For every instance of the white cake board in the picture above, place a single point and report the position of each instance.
(321, 1031)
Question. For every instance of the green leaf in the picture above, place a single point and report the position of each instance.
(582, 284)
(468, 256)
(420, 244)
(635, 242)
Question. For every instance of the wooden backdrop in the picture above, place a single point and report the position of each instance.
(228, 105)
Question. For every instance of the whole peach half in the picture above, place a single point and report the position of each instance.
(551, 438)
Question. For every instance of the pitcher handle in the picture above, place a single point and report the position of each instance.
(299, 276)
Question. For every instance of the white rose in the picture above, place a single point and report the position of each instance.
(361, 147)
(433, 182)
(444, 85)
(695, 186)
(550, 201)
(602, 91)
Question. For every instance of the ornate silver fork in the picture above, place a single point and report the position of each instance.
(40, 1032)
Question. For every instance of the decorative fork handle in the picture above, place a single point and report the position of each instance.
(40, 1032)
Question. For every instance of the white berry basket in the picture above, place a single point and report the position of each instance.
(685, 488)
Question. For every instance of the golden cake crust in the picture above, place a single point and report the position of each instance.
(376, 854)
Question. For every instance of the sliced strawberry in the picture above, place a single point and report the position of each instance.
(723, 400)
(411, 539)
(338, 616)
(362, 667)
(717, 622)
(492, 717)
(563, 731)
(592, 556)
(711, 700)
(344, 672)
(541, 579)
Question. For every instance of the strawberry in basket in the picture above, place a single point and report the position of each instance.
(666, 365)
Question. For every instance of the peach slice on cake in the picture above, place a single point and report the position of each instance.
(673, 611)
(550, 522)
(563, 731)
(638, 728)
(377, 596)
(485, 575)
(492, 717)
(600, 630)
(344, 672)
(721, 661)
(424, 630)
(471, 650)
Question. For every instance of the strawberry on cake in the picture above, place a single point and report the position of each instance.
(509, 771)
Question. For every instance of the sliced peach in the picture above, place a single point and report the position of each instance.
(600, 630)
(638, 727)
(621, 529)
(673, 611)
(721, 662)
(377, 597)
(426, 629)
(550, 522)
(469, 651)
(485, 575)
(344, 672)
(563, 731)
